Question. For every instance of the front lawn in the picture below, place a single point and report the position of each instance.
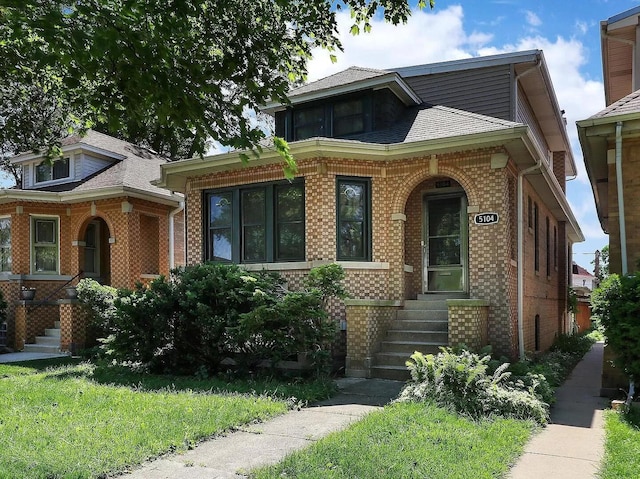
(622, 446)
(410, 440)
(80, 421)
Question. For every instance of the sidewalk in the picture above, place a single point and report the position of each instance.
(572, 445)
(267, 443)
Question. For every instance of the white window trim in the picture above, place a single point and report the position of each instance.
(32, 259)
(66, 179)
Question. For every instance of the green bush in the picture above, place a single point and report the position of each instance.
(461, 382)
(277, 329)
(209, 312)
(616, 305)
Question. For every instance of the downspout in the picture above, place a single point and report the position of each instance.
(623, 228)
(520, 214)
(172, 214)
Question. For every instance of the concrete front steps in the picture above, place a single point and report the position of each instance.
(49, 343)
(422, 325)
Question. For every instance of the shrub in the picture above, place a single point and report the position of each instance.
(461, 382)
(209, 312)
(277, 329)
(616, 305)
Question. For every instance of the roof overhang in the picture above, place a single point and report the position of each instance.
(618, 37)
(391, 80)
(70, 197)
(596, 134)
(518, 141)
(30, 156)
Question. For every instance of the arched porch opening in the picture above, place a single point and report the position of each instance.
(94, 253)
(437, 237)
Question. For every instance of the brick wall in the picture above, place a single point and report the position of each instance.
(631, 179)
(397, 191)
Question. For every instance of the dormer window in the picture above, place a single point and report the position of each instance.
(335, 118)
(46, 171)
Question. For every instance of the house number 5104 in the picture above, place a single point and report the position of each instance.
(486, 218)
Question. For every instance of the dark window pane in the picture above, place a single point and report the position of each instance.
(291, 241)
(254, 243)
(221, 244)
(43, 172)
(444, 217)
(220, 210)
(351, 239)
(308, 123)
(444, 251)
(46, 258)
(352, 201)
(45, 231)
(253, 207)
(290, 203)
(346, 108)
(61, 169)
(348, 117)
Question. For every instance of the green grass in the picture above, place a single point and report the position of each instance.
(622, 445)
(82, 421)
(410, 440)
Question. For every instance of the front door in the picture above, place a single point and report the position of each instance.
(445, 244)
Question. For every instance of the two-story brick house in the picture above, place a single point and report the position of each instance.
(439, 188)
(93, 211)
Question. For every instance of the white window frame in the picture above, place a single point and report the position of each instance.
(34, 174)
(33, 245)
(10, 256)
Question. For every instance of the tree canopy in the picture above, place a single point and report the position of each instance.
(168, 75)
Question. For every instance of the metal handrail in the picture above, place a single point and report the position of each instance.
(56, 291)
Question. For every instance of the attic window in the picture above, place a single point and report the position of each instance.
(48, 172)
(333, 119)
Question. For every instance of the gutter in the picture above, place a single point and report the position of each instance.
(172, 214)
(620, 188)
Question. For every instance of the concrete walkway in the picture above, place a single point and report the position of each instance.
(269, 442)
(572, 445)
(20, 356)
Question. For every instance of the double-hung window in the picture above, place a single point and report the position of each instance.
(256, 224)
(5, 245)
(353, 219)
(44, 245)
(46, 171)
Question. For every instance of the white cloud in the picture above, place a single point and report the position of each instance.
(426, 38)
(532, 19)
(581, 27)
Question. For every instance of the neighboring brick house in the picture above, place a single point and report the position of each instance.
(611, 147)
(414, 180)
(93, 211)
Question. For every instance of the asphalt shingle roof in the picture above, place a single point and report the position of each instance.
(430, 122)
(628, 104)
(138, 168)
(345, 77)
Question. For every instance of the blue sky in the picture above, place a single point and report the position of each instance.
(567, 32)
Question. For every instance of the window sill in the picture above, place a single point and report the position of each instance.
(306, 265)
(35, 277)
